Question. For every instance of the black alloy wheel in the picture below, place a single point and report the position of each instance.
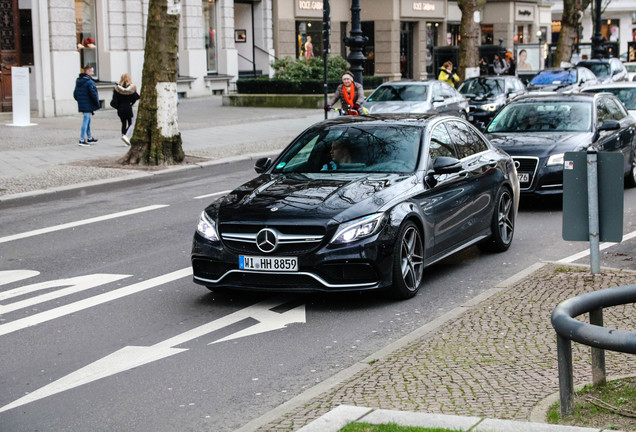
(630, 179)
(408, 262)
(502, 225)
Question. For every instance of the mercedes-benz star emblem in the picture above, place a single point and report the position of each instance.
(266, 240)
(274, 209)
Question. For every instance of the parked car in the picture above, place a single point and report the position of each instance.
(624, 91)
(606, 70)
(417, 97)
(487, 94)
(360, 203)
(631, 70)
(536, 130)
(562, 80)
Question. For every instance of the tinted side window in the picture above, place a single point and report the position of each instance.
(466, 140)
(617, 112)
(441, 143)
(603, 111)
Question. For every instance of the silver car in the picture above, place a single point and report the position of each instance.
(417, 97)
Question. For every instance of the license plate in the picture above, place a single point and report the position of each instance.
(524, 177)
(273, 264)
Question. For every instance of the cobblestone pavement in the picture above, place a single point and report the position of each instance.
(497, 359)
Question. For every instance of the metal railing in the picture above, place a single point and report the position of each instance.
(594, 335)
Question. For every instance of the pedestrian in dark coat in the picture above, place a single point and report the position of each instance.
(124, 97)
(85, 94)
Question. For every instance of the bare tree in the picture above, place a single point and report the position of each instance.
(570, 22)
(156, 139)
(469, 31)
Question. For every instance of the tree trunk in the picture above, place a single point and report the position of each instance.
(570, 22)
(469, 32)
(156, 138)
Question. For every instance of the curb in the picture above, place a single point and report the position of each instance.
(137, 175)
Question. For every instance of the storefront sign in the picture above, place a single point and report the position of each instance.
(524, 13)
(422, 9)
(308, 8)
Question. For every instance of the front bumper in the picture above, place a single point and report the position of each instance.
(362, 265)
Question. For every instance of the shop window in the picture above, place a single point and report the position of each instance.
(519, 38)
(452, 34)
(487, 33)
(556, 29)
(86, 34)
(209, 35)
(610, 30)
(308, 39)
(368, 30)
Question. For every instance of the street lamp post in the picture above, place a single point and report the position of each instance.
(597, 40)
(356, 42)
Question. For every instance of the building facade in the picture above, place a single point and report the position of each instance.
(618, 25)
(222, 40)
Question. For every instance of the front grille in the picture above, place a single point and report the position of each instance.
(291, 239)
(526, 165)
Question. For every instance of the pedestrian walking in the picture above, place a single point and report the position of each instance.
(447, 74)
(124, 97)
(85, 94)
(499, 65)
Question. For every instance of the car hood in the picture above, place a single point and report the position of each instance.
(398, 107)
(317, 196)
(540, 143)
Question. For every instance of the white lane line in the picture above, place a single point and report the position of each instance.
(79, 223)
(92, 301)
(602, 246)
(212, 194)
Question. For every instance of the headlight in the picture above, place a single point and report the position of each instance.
(358, 229)
(207, 228)
(490, 107)
(555, 159)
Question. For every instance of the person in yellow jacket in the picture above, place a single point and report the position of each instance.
(447, 74)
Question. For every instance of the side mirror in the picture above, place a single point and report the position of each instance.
(609, 125)
(446, 165)
(262, 165)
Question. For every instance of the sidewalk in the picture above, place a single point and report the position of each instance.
(484, 364)
(46, 156)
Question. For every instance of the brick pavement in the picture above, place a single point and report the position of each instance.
(497, 359)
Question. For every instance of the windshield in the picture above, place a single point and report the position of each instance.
(555, 77)
(354, 148)
(412, 93)
(548, 116)
(482, 87)
(601, 70)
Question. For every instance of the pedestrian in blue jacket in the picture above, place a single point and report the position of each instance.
(87, 102)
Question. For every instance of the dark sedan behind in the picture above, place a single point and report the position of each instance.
(537, 130)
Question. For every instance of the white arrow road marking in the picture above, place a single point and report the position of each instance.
(75, 284)
(10, 276)
(134, 356)
(92, 301)
(79, 223)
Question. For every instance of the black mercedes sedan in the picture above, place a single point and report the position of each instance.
(360, 203)
(537, 130)
(487, 94)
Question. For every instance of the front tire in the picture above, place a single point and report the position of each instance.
(630, 179)
(502, 225)
(408, 262)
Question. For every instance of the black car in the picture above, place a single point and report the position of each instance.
(562, 80)
(536, 130)
(487, 94)
(606, 70)
(360, 203)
